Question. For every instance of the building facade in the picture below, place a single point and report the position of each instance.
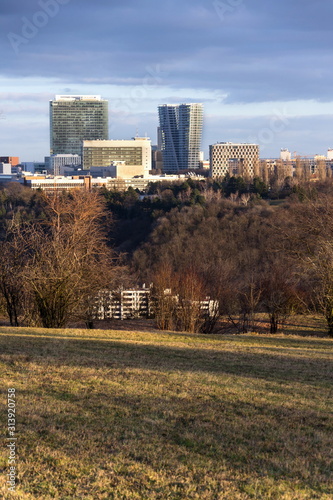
(13, 160)
(75, 118)
(133, 155)
(59, 183)
(57, 163)
(180, 136)
(5, 168)
(234, 159)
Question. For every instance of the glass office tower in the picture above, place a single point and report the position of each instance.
(181, 132)
(74, 119)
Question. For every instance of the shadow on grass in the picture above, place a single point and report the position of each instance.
(215, 435)
(116, 429)
(277, 365)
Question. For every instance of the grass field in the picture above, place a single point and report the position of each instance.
(132, 415)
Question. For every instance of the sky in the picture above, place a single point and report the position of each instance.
(263, 70)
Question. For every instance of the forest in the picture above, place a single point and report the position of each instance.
(250, 248)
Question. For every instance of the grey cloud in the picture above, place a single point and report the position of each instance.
(258, 51)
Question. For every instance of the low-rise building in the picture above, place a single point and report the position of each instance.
(54, 183)
(56, 164)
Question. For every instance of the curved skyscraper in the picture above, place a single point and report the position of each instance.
(181, 131)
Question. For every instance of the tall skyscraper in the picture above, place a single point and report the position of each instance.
(181, 131)
(75, 118)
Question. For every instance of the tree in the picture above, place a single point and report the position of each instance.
(164, 302)
(279, 291)
(320, 276)
(66, 259)
(177, 300)
(12, 265)
(191, 292)
(308, 239)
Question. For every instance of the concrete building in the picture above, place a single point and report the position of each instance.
(180, 135)
(56, 164)
(157, 159)
(87, 182)
(75, 118)
(124, 304)
(5, 168)
(330, 154)
(137, 303)
(131, 157)
(51, 183)
(141, 183)
(13, 160)
(204, 164)
(285, 155)
(233, 158)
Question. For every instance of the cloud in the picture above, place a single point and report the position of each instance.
(25, 97)
(224, 51)
(258, 51)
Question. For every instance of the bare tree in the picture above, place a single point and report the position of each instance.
(298, 169)
(279, 297)
(12, 266)
(321, 170)
(191, 293)
(307, 237)
(178, 299)
(249, 295)
(164, 302)
(69, 261)
(319, 270)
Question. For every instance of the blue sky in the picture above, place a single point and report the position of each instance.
(263, 70)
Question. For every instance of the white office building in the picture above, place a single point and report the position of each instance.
(128, 157)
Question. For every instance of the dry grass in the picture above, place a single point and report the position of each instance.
(123, 415)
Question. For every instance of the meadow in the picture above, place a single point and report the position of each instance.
(124, 415)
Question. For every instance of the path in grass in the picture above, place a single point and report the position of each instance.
(124, 415)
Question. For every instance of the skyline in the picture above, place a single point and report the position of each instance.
(262, 71)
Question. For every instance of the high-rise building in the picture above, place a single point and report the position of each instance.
(180, 132)
(75, 118)
(234, 159)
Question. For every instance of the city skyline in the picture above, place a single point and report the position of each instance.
(262, 70)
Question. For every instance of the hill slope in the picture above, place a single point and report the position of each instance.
(122, 415)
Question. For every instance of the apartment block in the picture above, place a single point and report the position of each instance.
(234, 159)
